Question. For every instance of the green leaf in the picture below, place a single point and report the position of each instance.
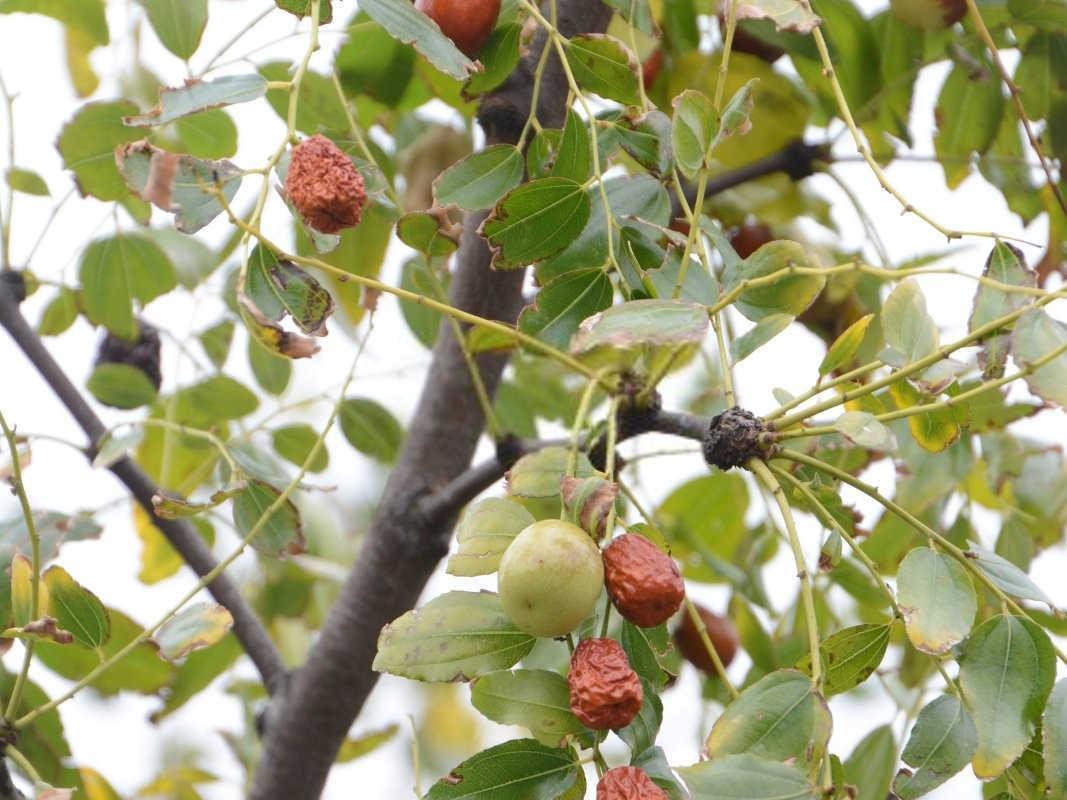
(423, 321)
(755, 337)
(641, 733)
(484, 533)
(647, 139)
(302, 8)
(932, 430)
(574, 157)
(455, 637)
(410, 26)
(1054, 727)
(791, 294)
(121, 386)
(193, 261)
(282, 534)
(648, 651)
(637, 12)
(1007, 576)
(844, 349)
(536, 699)
(211, 401)
(692, 131)
(184, 191)
(735, 117)
(968, 114)
(535, 221)
(910, 332)
(1038, 336)
(209, 134)
(1038, 70)
(562, 305)
(937, 599)
(53, 528)
(654, 762)
(179, 24)
(1044, 13)
(197, 96)
(76, 609)
(351, 749)
(79, 45)
(294, 443)
(481, 179)
(787, 15)
(116, 271)
(605, 66)
(521, 768)
(140, 671)
(319, 108)
(431, 233)
(872, 764)
(861, 427)
(778, 717)
(86, 16)
(539, 474)
(193, 628)
(1007, 668)
(280, 288)
(850, 656)
(643, 323)
(371, 63)
(59, 314)
(197, 672)
(26, 181)
(87, 144)
(216, 342)
(272, 371)
(1006, 265)
(371, 428)
(704, 520)
(942, 741)
(747, 777)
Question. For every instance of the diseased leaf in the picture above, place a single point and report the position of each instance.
(845, 347)
(942, 741)
(1006, 265)
(282, 532)
(521, 768)
(281, 288)
(562, 305)
(76, 609)
(849, 656)
(193, 628)
(788, 294)
(1054, 731)
(1040, 338)
(197, 96)
(410, 26)
(536, 699)
(540, 474)
(863, 429)
(484, 533)
(1007, 576)
(937, 599)
(605, 66)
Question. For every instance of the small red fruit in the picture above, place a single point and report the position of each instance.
(628, 783)
(750, 237)
(325, 185)
(605, 693)
(650, 69)
(723, 637)
(467, 23)
(643, 582)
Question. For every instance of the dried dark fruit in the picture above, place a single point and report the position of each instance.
(550, 578)
(750, 237)
(142, 353)
(605, 692)
(643, 582)
(325, 185)
(467, 23)
(929, 15)
(721, 632)
(628, 783)
(735, 437)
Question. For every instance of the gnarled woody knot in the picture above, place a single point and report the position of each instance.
(605, 693)
(628, 783)
(325, 185)
(642, 581)
(734, 437)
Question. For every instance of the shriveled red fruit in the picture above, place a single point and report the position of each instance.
(750, 237)
(628, 783)
(929, 15)
(745, 42)
(325, 185)
(467, 23)
(651, 67)
(723, 637)
(605, 692)
(643, 582)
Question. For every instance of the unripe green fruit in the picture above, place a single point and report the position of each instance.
(550, 578)
(929, 15)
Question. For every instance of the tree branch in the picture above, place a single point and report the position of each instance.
(181, 535)
(403, 546)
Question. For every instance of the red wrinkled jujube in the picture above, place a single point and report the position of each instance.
(325, 185)
(628, 783)
(643, 582)
(605, 693)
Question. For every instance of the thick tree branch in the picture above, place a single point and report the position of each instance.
(403, 546)
(181, 535)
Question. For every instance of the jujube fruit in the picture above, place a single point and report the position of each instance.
(721, 632)
(324, 185)
(628, 783)
(467, 23)
(643, 582)
(748, 238)
(651, 67)
(550, 577)
(605, 692)
(929, 15)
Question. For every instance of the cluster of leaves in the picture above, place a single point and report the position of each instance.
(634, 266)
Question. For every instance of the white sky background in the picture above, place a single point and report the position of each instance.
(114, 736)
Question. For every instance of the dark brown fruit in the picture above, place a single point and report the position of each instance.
(325, 185)
(142, 353)
(605, 693)
(467, 23)
(628, 783)
(643, 582)
(650, 69)
(723, 637)
(745, 42)
(750, 237)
